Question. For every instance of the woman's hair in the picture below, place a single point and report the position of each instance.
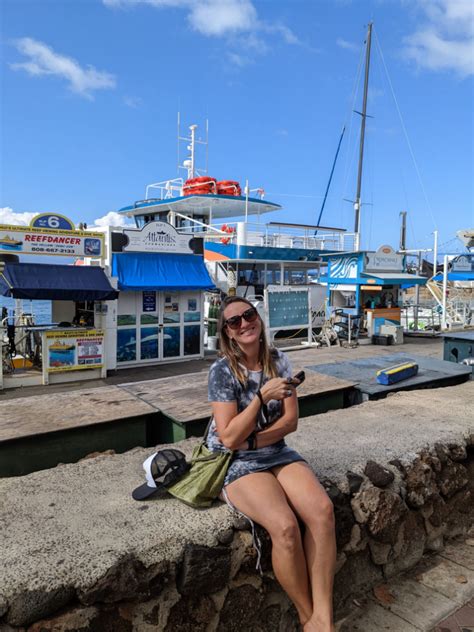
(230, 350)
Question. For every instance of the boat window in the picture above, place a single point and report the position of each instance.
(294, 276)
(141, 220)
(251, 274)
(191, 226)
(273, 274)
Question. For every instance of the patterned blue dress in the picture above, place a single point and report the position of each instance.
(225, 387)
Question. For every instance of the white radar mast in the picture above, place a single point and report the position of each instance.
(189, 163)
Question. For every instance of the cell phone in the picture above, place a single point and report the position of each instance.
(300, 377)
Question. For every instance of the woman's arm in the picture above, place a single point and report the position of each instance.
(286, 424)
(233, 428)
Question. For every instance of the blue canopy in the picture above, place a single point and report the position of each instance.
(55, 282)
(455, 276)
(152, 271)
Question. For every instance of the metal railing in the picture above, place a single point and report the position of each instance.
(275, 237)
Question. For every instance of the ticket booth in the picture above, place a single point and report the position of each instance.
(159, 314)
(367, 286)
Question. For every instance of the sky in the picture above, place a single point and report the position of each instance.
(90, 91)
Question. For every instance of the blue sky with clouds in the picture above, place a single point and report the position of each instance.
(91, 89)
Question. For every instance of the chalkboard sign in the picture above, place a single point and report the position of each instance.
(288, 308)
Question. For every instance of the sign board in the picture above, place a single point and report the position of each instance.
(385, 259)
(73, 350)
(156, 237)
(53, 221)
(43, 241)
(149, 301)
(344, 267)
(463, 263)
(288, 308)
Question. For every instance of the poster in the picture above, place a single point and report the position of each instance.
(148, 301)
(74, 350)
(126, 345)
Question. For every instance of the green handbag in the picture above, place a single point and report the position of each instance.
(203, 482)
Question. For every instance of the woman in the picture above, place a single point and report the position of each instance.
(254, 407)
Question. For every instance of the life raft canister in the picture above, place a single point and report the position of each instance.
(229, 187)
(201, 185)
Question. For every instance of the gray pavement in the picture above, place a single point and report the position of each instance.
(423, 598)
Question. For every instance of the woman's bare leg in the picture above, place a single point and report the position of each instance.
(261, 498)
(311, 503)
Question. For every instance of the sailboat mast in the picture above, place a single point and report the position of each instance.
(357, 203)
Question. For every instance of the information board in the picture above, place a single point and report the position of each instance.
(288, 308)
(73, 350)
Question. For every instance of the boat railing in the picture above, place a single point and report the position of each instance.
(269, 235)
(166, 189)
(280, 237)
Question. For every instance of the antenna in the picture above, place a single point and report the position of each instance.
(189, 163)
(177, 141)
(207, 145)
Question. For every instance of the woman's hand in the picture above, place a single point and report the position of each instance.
(277, 388)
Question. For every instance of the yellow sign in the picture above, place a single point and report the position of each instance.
(74, 350)
(44, 241)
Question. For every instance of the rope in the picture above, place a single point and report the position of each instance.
(405, 132)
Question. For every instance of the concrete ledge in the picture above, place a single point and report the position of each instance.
(77, 553)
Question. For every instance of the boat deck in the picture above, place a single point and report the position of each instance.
(432, 373)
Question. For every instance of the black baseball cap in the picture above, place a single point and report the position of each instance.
(162, 469)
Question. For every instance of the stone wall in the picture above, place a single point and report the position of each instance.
(388, 514)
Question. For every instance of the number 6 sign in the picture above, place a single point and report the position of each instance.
(52, 221)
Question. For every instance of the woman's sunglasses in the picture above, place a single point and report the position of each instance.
(249, 315)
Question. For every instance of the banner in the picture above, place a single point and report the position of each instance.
(73, 350)
(42, 241)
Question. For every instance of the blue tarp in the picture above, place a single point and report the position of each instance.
(151, 271)
(55, 282)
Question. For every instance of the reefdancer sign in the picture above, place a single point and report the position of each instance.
(45, 241)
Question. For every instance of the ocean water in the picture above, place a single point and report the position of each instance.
(41, 310)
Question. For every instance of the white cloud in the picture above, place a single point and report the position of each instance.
(446, 40)
(15, 218)
(342, 43)
(224, 18)
(43, 60)
(9, 216)
(112, 219)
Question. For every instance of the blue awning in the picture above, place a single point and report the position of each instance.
(55, 282)
(395, 278)
(455, 276)
(151, 271)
